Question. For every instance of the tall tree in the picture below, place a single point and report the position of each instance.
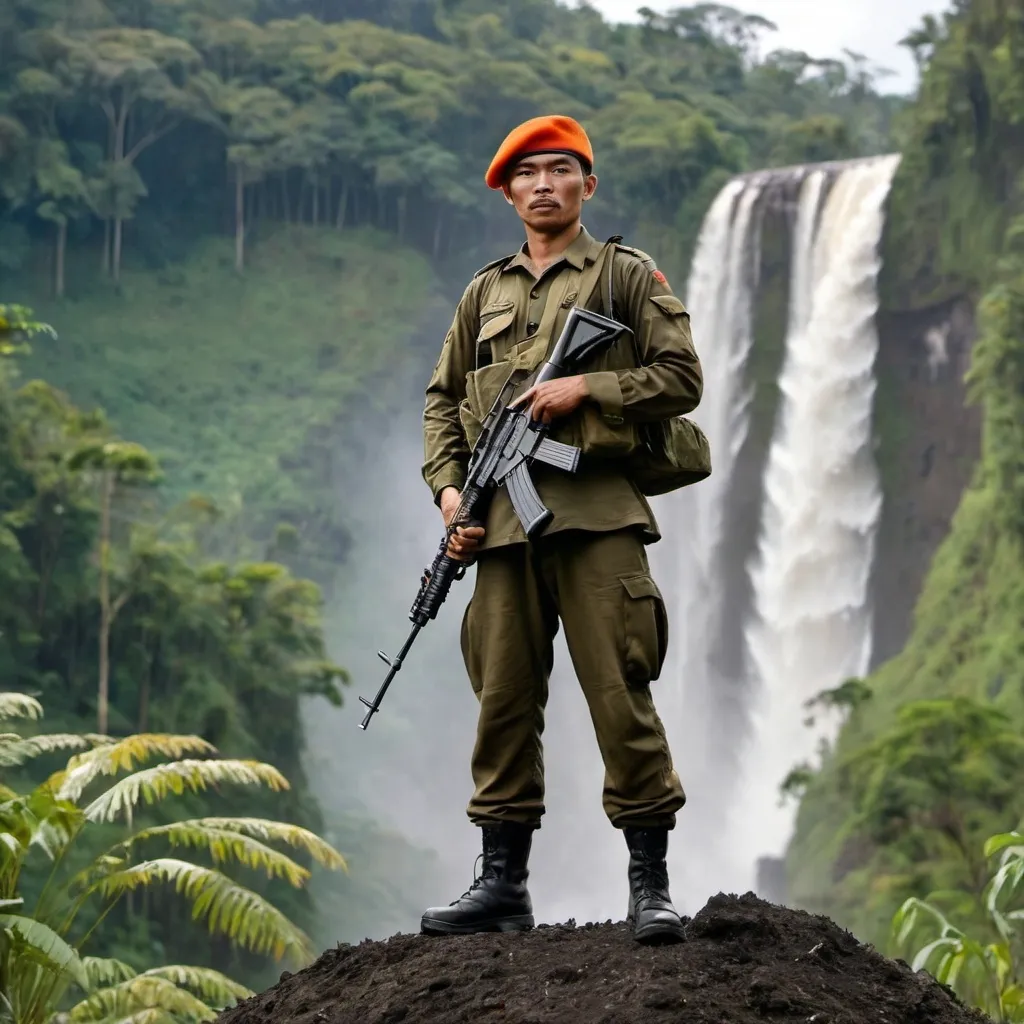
(141, 80)
(114, 464)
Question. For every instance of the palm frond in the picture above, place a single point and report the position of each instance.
(143, 992)
(101, 971)
(19, 705)
(44, 946)
(211, 986)
(281, 832)
(151, 1015)
(15, 749)
(224, 845)
(178, 777)
(109, 758)
(229, 909)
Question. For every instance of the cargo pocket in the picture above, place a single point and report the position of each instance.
(469, 657)
(645, 629)
(495, 318)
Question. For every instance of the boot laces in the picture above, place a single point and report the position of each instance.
(653, 883)
(477, 879)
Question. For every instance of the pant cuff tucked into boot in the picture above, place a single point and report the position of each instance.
(651, 913)
(498, 900)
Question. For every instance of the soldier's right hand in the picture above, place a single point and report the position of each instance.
(465, 540)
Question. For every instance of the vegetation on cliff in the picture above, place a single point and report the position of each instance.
(931, 762)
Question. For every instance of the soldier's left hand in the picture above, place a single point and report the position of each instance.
(554, 398)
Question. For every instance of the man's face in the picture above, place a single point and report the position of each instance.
(548, 191)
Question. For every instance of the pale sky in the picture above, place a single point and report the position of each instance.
(822, 28)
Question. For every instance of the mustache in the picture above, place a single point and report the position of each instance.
(543, 201)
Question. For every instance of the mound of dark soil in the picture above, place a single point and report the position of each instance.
(746, 961)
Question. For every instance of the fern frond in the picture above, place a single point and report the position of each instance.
(109, 758)
(224, 845)
(19, 705)
(151, 1015)
(229, 909)
(101, 971)
(178, 777)
(281, 832)
(16, 749)
(211, 986)
(143, 992)
(44, 946)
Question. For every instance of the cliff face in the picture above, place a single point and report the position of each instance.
(928, 442)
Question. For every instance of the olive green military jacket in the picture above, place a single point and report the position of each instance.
(502, 307)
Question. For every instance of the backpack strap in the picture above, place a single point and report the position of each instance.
(608, 296)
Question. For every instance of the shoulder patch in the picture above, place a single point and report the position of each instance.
(500, 261)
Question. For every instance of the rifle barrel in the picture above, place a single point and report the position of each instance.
(395, 664)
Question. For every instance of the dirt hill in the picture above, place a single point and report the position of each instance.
(746, 961)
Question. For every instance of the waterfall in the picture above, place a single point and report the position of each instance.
(763, 621)
(811, 626)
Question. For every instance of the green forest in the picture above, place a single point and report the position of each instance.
(236, 220)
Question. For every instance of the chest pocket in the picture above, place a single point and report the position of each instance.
(493, 337)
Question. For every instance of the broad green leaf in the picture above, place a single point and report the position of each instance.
(19, 705)
(276, 831)
(15, 750)
(211, 986)
(111, 758)
(228, 908)
(49, 948)
(224, 846)
(143, 992)
(103, 971)
(175, 778)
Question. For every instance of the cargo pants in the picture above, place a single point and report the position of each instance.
(600, 586)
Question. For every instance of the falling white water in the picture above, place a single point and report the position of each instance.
(691, 696)
(811, 625)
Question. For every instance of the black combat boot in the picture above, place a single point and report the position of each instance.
(651, 913)
(497, 901)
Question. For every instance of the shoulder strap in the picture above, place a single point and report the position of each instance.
(647, 260)
(608, 297)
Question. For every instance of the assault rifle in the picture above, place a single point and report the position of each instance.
(509, 441)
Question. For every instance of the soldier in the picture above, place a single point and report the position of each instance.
(589, 568)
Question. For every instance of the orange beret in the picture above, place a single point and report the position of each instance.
(552, 133)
